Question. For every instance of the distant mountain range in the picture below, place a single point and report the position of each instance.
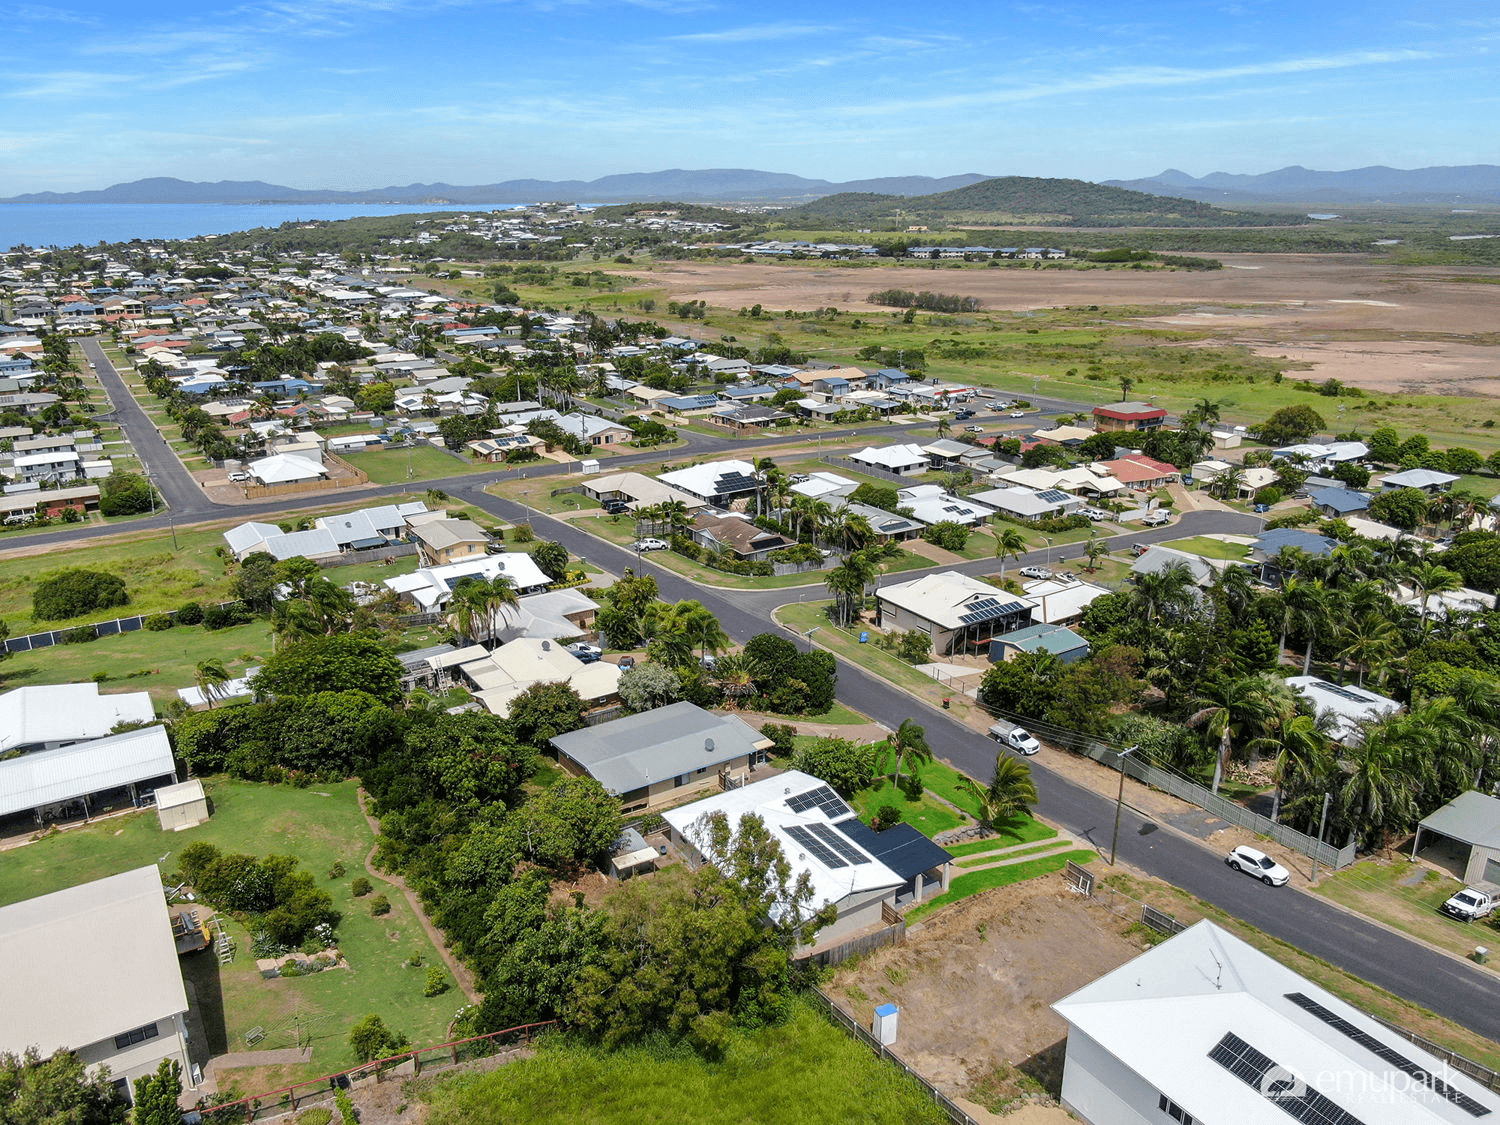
(723, 184)
(1470, 183)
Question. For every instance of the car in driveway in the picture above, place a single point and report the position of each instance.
(649, 545)
(616, 507)
(1258, 864)
(626, 663)
(586, 652)
(1035, 572)
(1093, 513)
(1469, 904)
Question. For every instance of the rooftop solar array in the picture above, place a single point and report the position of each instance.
(820, 798)
(1344, 693)
(1277, 1084)
(1388, 1054)
(816, 847)
(839, 843)
(1053, 496)
(734, 482)
(985, 609)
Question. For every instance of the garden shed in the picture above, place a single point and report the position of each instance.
(180, 806)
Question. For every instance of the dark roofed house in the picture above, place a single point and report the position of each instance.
(751, 417)
(1335, 502)
(737, 535)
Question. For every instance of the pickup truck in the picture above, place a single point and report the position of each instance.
(1469, 904)
(1017, 738)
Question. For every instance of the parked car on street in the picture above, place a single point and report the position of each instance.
(1017, 738)
(1157, 518)
(649, 545)
(974, 429)
(1018, 413)
(963, 415)
(1469, 904)
(1257, 863)
(1035, 572)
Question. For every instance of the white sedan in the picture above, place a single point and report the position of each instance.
(1257, 863)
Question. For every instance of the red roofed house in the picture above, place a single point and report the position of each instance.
(1128, 416)
(1141, 472)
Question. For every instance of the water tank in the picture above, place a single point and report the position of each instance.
(883, 1027)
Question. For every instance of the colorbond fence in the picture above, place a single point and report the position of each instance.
(33, 641)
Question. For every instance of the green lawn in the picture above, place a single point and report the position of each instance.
(927, 816)
(1374, 889)
(1208, 548)
(319, 826)
(142, 661)
(1020, 831)
(418, 462)
(987, 860)
(372, 571)
(962, 886)
(800, 1072)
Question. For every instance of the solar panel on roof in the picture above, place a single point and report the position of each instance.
(839, 844)
(1388, 1054)
(985, 609)
(1053, 496)
(823, 798)
(820, 851)
(1277, 1084)
(1343, 692)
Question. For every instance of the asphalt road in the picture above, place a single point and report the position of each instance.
(1442, 983)
(1445, 984)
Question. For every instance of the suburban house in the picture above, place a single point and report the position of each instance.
(286, 468)
(1427, 480)
(84, 778)
(100, 978)
(719, 483)
(48, 716)
(53, 502)
(958, 612)
(902, 460)
(637, 490)
(1024, 504)
(688, 404)
(1133, 416)
(823, 485)
(594, 429)
(1157, 560)
(1082, 480)
(1058, 640)
(888, 526)
(504, 673)
(1254, 479)
(659, 755)
(753, 416)
(246, 539)
(947, 454)
(864, 873)
(1142, 473)
(1336, 503)
(737, 535)
(445, 541)
(1469, 831)
(1270, 543)
(430, 588)
(930, 504)
(1066, 436)
(554, 615)
(1349, 708)
(496, 449)
(1323, 457)
(1060, 600)
(371, 527)
(1206, 1028)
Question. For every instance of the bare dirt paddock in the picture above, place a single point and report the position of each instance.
(975, 985)
(1364, 321)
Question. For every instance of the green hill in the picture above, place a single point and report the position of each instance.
(1026, 200)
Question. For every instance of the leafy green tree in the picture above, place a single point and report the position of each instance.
(569, 824)
(1475, 555)
(1385, 446)
(471, 760)
(846, 765)
(257, 579)
(649, 685)
(345, 662)
(125, 494)
(552, 559)
(56, 1091)
(370, 1039)
(545, 710)
(75, 592)
(622, 616)
(946, 534)
(879, 496)
(1290, 424)
(1401, 507)
(333, 732)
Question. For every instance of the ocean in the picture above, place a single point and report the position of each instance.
(73, 224)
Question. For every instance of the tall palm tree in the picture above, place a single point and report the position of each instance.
(1303, 752)
(1305, 605)
(1010, 793)
(851, 530)
(1384, 777)
(1229, 710)
(293, 621)
(210, 675)
(1370, 640)
(1430, 580)
(670, 645)
(909, 740)
(466, 611)
(1167, 591)
(944, 427)
(1009, 543)
(499, 599)
(701, 626)
(1203, 412)
(847, 583)
(1234, 586)
(1092, 550)
(676, 516)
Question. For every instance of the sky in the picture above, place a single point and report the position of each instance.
(356, 94)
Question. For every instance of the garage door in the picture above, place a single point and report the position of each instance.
(1492, 871)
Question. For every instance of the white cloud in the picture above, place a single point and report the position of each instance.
(752, 34)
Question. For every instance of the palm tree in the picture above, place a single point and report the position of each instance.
(735, 677)
(675, 513)
(701, 626)
(1229, 710)
(1205, 410)
(1305, 604)
(332, 605)
(1370, 640)
(210, 675)
(1009, 543)
(1010, 793)
(909, 741)
(465, 610)
(293, 621)
(1126, 382)
(1430, 580)
(847, 583)
(1093, 550)
(1165, 591)
(670, 645)
(1303, 753)
(944, 427)
(851, 529)
(1234, 585)
(1384, 775)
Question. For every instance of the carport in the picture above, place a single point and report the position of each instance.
(1471, 820)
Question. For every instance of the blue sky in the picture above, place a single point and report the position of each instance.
(367, 93)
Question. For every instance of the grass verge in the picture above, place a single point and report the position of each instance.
(963, 886)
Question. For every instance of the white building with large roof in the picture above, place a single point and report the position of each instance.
(47, 716)
(93, 969)
(430, 587)
(956, 610)
(1205, 1029)
(509, 670)
(75, 779)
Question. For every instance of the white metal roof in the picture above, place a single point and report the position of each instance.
(88, 963)
(944, 598)
(1161, 1014)
(1350, 706)
(45, 713)
(768, 800)
(48, 777)
(183, 793)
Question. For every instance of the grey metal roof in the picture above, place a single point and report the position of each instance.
(49, 777)
(1471, 818)
(637, 751)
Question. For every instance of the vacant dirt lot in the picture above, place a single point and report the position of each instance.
(975, 984)
(1368, 323)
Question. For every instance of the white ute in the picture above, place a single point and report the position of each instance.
(1469, 904)
(1017, 738)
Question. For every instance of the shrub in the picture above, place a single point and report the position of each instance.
(190, 614)
(345, 1106)
(946, 534)
(225, 616)
(74, 592)
(361, 887)
(522, 533)
(1268, 495)
(371, 1039)
(159, 622)
(336, 871)
(318, 1115)
(81, 635)
(379, 905)
(437, 982)
(887, 816)
(415, 960)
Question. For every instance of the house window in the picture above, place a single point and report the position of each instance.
(139, 1035)
(1173, 1110)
